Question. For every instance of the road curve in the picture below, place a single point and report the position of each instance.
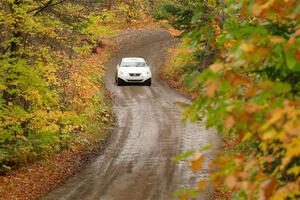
(137, 164)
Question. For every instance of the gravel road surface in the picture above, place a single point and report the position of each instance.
(137, 164)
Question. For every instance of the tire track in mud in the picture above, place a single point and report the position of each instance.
(137, 164)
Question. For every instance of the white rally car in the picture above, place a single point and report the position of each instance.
(133, 70)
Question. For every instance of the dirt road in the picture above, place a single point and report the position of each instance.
(138, 165)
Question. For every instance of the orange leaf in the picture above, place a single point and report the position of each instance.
(251, 92)
(252, 108)
(231, 181)
(185, 196)
(277, 39)
(297, 55)
(292, 40)
(216, 67)
(229, 122)
(244, 11)
(197, 162)
(194, 95)
(267, 188)
(211, 88)
(297, 32)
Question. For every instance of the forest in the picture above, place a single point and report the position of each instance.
(240, 63)
(51, 92)
(237, 60)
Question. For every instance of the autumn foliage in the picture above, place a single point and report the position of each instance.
(51, 90)
(52, 55)
(250, 93)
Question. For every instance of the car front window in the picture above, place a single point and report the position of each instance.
(133, 64)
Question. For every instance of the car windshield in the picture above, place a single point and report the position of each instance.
(133, 64)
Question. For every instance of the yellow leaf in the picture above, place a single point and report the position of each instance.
(201, 185)
(277, 114)
(184, 197)
(269, 135)
(292, 150)
(247, 47)
(21, 137)
(294, 170)
(2, 87)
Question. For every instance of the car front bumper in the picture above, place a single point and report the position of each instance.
(134, 79)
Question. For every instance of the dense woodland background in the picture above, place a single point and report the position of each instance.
(51, 91)
(239, 61)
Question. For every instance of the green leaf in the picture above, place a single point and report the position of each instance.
(183, 155)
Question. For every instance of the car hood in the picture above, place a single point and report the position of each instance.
(134, 69)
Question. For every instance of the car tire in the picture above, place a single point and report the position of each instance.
(148, 82)
(119, 82)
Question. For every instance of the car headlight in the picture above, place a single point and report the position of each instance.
(147, 72)
(122, 73)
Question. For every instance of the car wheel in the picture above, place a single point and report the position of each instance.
(148, 82)
(119, 82)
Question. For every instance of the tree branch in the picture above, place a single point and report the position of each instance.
(45, 6)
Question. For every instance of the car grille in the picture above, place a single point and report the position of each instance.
(135, 81)
(134, 74)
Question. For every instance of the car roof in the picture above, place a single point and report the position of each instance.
(133, 59)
